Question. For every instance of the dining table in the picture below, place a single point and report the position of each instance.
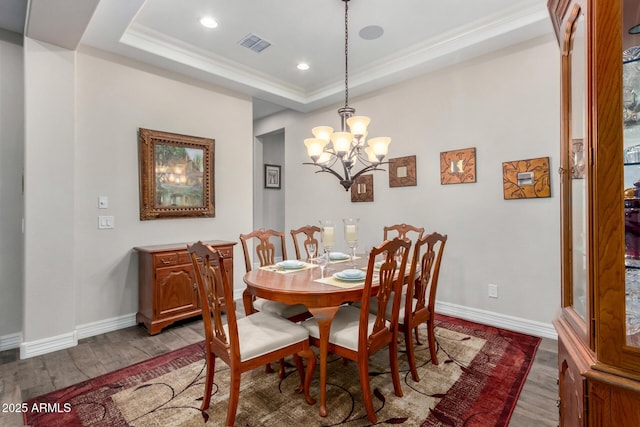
(322, 295)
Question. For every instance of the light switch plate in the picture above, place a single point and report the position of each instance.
(106, 221)
(103, 202)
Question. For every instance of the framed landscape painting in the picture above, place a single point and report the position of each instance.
(176, 175)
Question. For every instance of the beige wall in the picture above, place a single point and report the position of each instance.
(91, 275)
(507, 106)
(80, 143)
(11, 207)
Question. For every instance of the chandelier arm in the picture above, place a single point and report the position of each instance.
(325, 169)
(367, 169)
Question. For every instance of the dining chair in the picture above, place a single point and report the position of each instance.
(356, 333)
(417, 304)
(265, 249)
(245, 343)
(308, 231)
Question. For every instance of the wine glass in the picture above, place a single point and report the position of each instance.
(312, 249)
(322, 261)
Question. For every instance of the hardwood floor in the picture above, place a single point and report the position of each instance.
(24, 379)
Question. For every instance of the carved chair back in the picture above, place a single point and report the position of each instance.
(308, 231)
(391, 272)
(424, 288)
(212, 282)
(403, 231)
(265, 248)
(420, 299)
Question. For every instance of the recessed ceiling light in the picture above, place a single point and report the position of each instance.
(371, 32)
(303, 66)
(209, 22)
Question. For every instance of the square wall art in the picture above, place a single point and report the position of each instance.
(458, 166)
(402, 172)
(526, 179)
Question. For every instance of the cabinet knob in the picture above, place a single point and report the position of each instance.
(560, 171)
(168, 261)
(195, 286)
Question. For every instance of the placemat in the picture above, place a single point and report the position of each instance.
(281, 270)
(337, 261)
(340, 283)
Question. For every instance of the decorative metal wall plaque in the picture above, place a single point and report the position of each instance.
(525, 179)
(458, 166)
(362, 189)
(402, 172)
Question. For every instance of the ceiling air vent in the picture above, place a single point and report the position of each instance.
(255, 43)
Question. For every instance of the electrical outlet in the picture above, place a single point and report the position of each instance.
(493, 291)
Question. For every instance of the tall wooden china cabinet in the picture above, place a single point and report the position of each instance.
(599, 321)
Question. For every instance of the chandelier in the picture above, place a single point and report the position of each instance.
(329, 150)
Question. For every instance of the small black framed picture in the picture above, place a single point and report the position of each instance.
(272, 176)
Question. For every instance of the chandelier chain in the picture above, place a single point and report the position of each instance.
(346, 53)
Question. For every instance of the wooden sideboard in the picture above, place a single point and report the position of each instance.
(167, 290)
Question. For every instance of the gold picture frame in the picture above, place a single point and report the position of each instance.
(458, 166)
(362, 189)
(402, 172)
(176, 175)
(526, 179)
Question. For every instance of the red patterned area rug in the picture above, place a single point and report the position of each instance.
(477, 383)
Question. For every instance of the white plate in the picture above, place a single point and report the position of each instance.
(352, 272)
(349, 278)
(290, 264)
(337, 256)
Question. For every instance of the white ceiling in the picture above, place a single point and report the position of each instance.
(419, 36)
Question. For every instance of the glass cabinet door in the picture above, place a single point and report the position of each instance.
(575, 171)
(579, 174)
(631, 159)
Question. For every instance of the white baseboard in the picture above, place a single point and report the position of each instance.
(60, 342)
(47, 345)
(107, 325)
(11, 341)
(531, 327)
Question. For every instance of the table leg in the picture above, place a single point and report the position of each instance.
(324, 316)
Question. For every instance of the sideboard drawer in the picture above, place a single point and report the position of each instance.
(165, 259)
(226, 252)
(184, 258)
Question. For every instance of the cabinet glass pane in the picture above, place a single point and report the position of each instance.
(631, 118)
(579, 173)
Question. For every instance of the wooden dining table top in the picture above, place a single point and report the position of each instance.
(302, 286)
